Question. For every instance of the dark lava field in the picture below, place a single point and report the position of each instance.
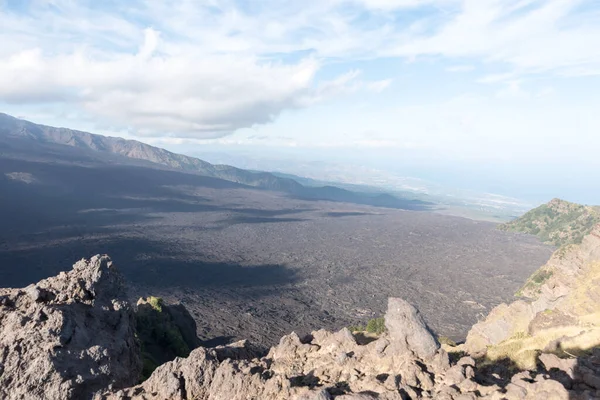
(255, 264)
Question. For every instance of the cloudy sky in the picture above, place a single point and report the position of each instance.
(498, 85)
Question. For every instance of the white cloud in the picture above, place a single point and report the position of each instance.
(396, 4)
(460, 68)
(379, 86)
(513, 89)
(496, 78)
(205, 69)
(526, 35)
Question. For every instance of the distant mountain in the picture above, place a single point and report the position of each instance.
(19, 138)
(559, 222)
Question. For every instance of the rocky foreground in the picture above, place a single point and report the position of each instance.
(74, 336)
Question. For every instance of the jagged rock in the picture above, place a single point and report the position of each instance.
(327, 365)
(72, 337)
(559, 307)
(69, 336)
(323, 364)
(549, 320)
(551, 361)
(455, 375)
(407, 329)
(542, 389)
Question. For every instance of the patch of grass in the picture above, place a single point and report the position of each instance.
(518, 335)
(356, 328)
(524, 350)
(445, 340)
(541, 276)
(535, 281)
(375, 326)
(156, 303)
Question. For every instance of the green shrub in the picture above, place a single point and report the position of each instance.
(376, 326)
(160, 339)
(541, 276)
(156, 303)
(356, 328)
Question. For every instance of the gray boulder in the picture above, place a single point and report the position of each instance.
(408, 330)
(69, 336)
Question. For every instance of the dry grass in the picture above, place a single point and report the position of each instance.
(523, 350)
(585, 294)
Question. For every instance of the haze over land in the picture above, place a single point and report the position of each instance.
(284, 256)
(487, 96)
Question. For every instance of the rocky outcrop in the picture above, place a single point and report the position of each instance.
(73, 337)
(405, 360)
(408, 330)
(559, 308)
(404, 363)
(69, 336)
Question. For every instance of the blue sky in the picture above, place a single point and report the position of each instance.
(476, 92)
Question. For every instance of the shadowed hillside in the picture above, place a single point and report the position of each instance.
(26, 140)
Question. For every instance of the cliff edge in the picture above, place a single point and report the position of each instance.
(69, 336)
(74, 336)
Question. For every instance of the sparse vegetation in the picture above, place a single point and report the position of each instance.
(534, 283)
(156, 303)
(375, 326)
(446, 341)
(558, 223)
(157, 335)
(524, 350)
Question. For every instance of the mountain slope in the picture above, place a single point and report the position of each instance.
(559, 222)
(19, 133)
(558, 310)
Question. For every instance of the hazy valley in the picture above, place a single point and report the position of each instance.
(248, 262)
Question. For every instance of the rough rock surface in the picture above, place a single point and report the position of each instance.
(327, 366)
(69, 336)
(407, 329)
(561, 300)
(73, 337)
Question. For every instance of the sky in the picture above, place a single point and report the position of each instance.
(496, 95)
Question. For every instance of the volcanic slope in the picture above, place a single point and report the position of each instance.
(22, 139)
(251, 263)
(247, 262)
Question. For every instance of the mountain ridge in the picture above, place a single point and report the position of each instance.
(138, 151)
